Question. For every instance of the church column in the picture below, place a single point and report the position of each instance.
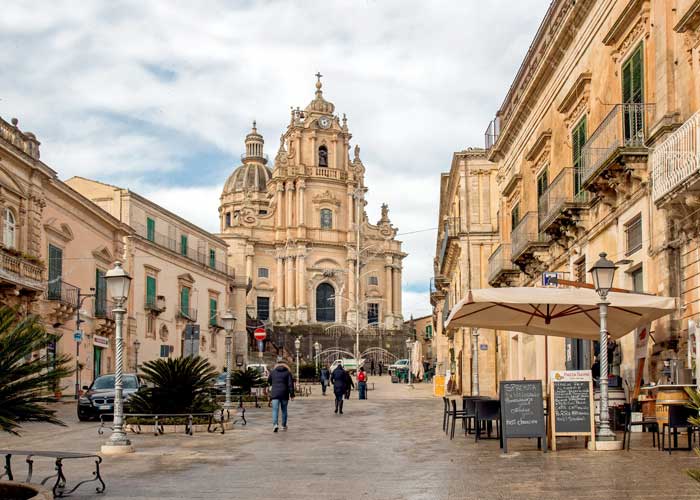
(289, 283)
(301, 276)
(397, 289)
(463, 214)
(301, 186)
(351, 209)
(279, 287)
(290, 204)
(388, 287)
(280, 205)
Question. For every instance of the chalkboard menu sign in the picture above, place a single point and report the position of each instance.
(571, 394)
(522, 411)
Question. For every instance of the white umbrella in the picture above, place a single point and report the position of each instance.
(417, 361)
(561, 312)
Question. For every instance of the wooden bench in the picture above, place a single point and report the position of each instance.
(215, 421)
(60, 486)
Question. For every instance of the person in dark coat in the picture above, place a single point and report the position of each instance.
(325, 378)
(350, 384)
(281, 385)
(381, 368)
(340, 384)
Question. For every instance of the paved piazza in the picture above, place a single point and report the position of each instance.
(388, 447)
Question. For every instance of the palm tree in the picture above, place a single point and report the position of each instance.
(26, 383)
(175, 385)
(247, 379)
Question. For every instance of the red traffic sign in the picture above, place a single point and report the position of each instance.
(260, 334)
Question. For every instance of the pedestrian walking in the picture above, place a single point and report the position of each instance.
(325, 378)
(281, 385)
(371, 367)
(350, 384)
(339, 381)
(362, 384)
(381, 368)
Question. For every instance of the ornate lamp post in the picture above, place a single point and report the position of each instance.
(228, 320)
(137, 344)
(118, 282)
(297, 345)
(317, 348)
(603, 273)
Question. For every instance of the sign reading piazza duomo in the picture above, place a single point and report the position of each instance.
(294, 226)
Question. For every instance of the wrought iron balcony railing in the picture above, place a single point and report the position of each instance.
(492, 133)
(526, 234)
(60, 291)
(677, 159)
(559, 195)
(624, 127)
(500, 262)
(104, 309)
(450, 229)
(187, 313)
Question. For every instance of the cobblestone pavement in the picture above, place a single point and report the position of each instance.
(388, 447)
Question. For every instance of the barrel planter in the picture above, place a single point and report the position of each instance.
(665, 397)
(14, 490)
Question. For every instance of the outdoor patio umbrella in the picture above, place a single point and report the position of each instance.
(561, 312)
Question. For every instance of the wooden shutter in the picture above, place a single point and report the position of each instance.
(150, 229)
(578, 139)
(633, 78)
(55, 272)
(150, 291)
(100, 292)
(183, 245)
(212, 258)
(185, 300)
(212, 311)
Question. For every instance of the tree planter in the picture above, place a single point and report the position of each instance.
(14, 490)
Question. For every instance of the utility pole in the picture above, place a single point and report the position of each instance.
(78, 321)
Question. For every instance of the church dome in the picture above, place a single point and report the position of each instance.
(248, 177)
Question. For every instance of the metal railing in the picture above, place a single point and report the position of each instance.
(492, 133)
(450, 229)
(526, 233)
(558, 194)
(17, 269)
(104, 309)
(500, 261)
(189, 313)
(194, 254)
(62, 292)
(676, 159)
(624, 127)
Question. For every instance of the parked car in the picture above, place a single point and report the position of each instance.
(349, 364)
(261, 368)
(98, 398)
(220, 385)
(401, 364)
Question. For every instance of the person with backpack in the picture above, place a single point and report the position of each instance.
(362, 383)
(339, 381)
(281, 391)
(325, 378)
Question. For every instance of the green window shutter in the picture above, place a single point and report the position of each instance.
(633, 78)
(212, 311)
(100, 293)
(150, 291)
(212, 258)
(183, 245)
(185, 301)
(150, 229)
(578, 139)
(542, 183)
(55, 272)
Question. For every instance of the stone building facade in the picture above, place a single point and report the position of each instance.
(596, 148)
(181, 283)
(297, 230)
(467, 235)
(56, 247)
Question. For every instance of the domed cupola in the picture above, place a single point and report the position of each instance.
(319, 104)
(248, 177)
(254, 147)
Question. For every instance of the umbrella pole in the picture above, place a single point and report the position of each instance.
(475, 361)
(546, 360)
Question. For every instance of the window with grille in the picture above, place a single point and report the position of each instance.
(263, 272)
(164, 351)
(373, 280)
(633, 230)
(578, 139)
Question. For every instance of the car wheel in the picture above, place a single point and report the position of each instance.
(83, 418)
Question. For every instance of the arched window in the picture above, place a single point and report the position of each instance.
(326, 218)
(8, 228)
(325, 303)
(322, 156)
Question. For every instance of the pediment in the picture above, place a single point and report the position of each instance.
(62, 231)
(10, 183)
(187, 277)
(103, 255)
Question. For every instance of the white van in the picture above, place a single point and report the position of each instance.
(349, 364)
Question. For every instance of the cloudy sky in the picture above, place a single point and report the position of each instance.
(157, 96)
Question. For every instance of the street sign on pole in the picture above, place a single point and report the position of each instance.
(260, 334)
(78, 336)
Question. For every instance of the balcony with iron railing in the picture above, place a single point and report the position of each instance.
(492, 133)
(187, 313)
(675, 163)
(104, 309)
(17, 270)
(155, 304)
(560, 200)
(502, 271)
(62, 292)
(526, 236)
(450, 228)
(623, 132)
(194, 254)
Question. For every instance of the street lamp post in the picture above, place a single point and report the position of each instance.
(603, 273)
(317, 348)
(297, 345)
(475, 362)
(118, 281)
(137, 344)
(228, 321)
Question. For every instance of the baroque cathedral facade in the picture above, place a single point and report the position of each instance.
(297, 230)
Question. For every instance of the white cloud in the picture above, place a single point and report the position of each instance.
(120, 91)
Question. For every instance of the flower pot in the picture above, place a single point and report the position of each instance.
(14, 490)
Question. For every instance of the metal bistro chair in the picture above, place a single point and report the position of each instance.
(646, 423)
(454, 415)
(469, 407)
(445, 413)
(487, 410)
(678, 416)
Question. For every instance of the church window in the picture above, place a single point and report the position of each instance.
(263, 272)
(372, 313)
(262, 212)
(325, 303)
(228, 219)
(326, 218)
(322, 156)
(373, 280)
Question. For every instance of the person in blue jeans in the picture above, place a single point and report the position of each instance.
(281, 385)
(325, 378)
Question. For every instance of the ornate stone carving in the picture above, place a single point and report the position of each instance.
(326, 197)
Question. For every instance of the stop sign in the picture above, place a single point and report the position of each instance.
(260, 334)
